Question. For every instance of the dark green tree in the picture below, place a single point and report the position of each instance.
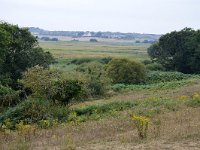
(19, 50)
(178, 50)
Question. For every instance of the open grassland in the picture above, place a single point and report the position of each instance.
(71, 50)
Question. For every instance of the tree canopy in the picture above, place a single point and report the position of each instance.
(19, 50)
(178, 50)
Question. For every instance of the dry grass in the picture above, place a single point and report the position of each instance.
(178, 130)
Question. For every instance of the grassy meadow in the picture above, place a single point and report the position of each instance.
(84, 49)
(170, 105)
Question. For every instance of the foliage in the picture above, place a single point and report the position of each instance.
(161, 76)
(30, 111)
(195, 101)
(79, 61)
(153, 86)
(53, 84)
(146, 62)
(155, 67)
(34, 111)
(47, 123)
(8, 97)
(178, 50)
(104, 109)
(38, 80)
(141, 124)
(93, 40)
(126, 71)
(19, 50)
(97, 83)
(49, 39)
(64, 91)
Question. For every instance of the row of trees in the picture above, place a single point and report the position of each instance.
(179, 51)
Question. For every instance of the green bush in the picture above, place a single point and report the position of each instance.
(160, 76)
(53, 84)
(8, 97)
(155, 67)
(33, 111)
(105, 60)
(96, 81)
(146, 62)
(64, 91)
(104, 108)
(126, 71)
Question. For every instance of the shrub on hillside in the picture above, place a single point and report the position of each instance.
(33, 111)
(155, 67)
(160, 76)
(8, 97)
(97, 83)
(126, 71)
(53, 84)
(65, 91)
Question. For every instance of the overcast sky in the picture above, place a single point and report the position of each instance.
(143, 16)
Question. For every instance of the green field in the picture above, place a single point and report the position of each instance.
(70, 50)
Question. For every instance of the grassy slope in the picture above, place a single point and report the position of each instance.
(179, 129)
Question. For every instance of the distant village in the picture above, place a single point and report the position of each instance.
(138, 37)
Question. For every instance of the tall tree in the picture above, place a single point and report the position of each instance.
(178, 51)
(19, 50)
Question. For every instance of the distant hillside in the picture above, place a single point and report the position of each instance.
(113, 35)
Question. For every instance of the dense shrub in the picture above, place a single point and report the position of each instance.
(160, 76)
(155, 67)
(53, 84)
(126, 71)
(65, 91)
(79, 61)
(146, 62)
(33, 111)
(97, 83)
(105, 60)
(8, 97)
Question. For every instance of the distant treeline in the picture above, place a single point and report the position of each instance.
(48, 39)
(75, 34)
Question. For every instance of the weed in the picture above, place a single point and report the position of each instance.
(141, 123)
